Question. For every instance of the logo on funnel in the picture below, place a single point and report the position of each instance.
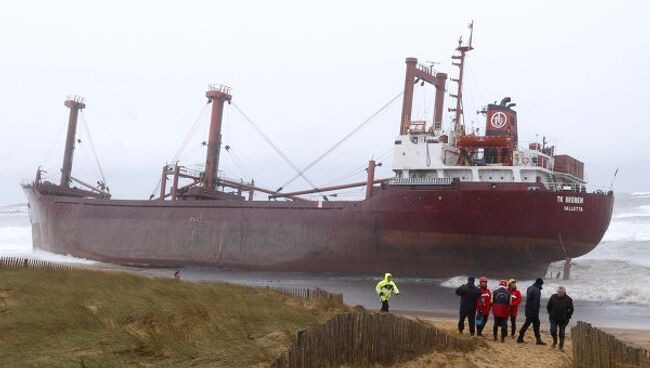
(498, 120)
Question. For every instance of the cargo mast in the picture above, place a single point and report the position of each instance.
(217, 94)
(416, 73)
(458, 110)
(74, 103)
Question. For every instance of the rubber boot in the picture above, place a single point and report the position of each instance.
(539, 341)
(554, 342)
(562, 343)
(520, 339)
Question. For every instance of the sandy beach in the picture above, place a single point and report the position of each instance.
(509, 353)
(639, 338)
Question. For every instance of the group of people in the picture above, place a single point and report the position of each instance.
(504, 301)
(477, 302)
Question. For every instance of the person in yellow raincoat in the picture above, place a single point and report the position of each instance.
(385, 289)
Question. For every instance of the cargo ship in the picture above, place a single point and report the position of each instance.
(458, 203)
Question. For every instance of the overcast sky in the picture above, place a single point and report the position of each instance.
(307, 73)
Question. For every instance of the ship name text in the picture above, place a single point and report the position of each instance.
(570, 199)
(573, 201)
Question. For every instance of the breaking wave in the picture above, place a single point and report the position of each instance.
(14, 208)
(591, 280)
(16, 238)
(640, 211)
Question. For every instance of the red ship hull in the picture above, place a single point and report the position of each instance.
(435, 231)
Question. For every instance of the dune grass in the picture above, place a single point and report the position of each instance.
(99, 319)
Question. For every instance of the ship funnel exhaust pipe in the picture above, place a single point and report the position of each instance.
(74, 103)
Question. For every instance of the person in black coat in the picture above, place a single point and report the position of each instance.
(560, 310)
(533, 298)
(469, 295)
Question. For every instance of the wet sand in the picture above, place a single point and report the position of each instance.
(509, 353)
(496, 354)
(639, 338)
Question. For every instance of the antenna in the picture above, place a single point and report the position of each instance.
(471, 33)
(614, 178)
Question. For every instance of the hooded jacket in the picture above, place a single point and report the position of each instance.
(469, 295)
(386, 287)
(533, 298)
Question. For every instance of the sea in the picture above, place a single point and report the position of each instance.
(610, 285)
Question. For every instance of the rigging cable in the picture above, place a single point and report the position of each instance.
(337, 144)
(183, 145)
(274, 147)
(358, 169)
(54, 144)
(237, 162)
(478, 86)
(92, 147)
(190, 134)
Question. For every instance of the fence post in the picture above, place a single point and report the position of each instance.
(593, 347)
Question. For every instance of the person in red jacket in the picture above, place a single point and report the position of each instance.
(501, 309)
(515, 294)
(483, 305)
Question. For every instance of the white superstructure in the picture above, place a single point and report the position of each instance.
(423, 155)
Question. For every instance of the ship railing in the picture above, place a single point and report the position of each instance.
(231, 179)
(421, 181)
(76, 98)
(191, 172)
(426, 69)
(533, 158)
(604, 190)
(219, 87)
(567, 187)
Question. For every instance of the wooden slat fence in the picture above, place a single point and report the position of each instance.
(598, 349)
(15, 262)
(365, 339)
(318, 294)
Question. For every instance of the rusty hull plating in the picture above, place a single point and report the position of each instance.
(457, 229)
